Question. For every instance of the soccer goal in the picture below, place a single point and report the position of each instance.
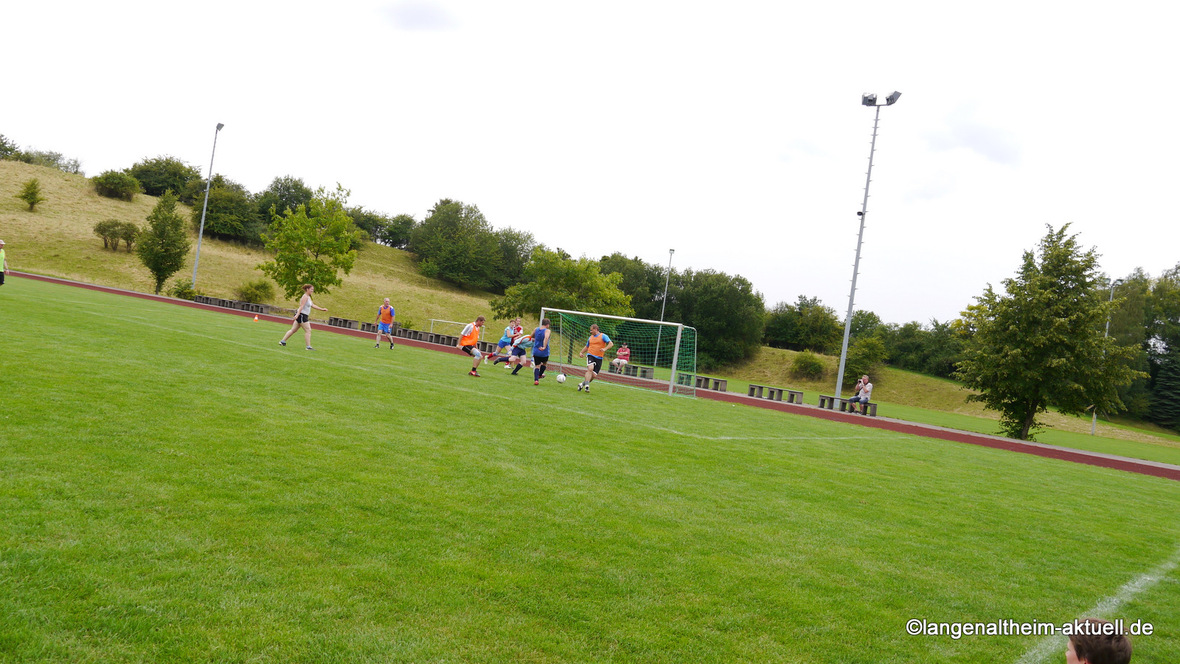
(660, 351)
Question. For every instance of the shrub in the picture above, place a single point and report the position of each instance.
(111, 231)
(129, 233)
(807, 365)
(31, 194)
(49, 160)
(864, 357)
(115, 184)
(183, 289)
(163, 173)
(258, 292)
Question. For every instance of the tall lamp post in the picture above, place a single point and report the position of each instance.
(663, 303)
(867, 100)
(205, 207)
(1094, 415)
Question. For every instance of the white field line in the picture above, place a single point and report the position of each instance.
(1054, 646)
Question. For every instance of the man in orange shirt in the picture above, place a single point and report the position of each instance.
(596, 347)
(468, 340)
(385, 315)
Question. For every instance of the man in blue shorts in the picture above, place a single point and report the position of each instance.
(510, 334)
(540, 351)
(385, 316)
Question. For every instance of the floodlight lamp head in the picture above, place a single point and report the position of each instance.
(892, 99)
(868, 99)
(219, 126)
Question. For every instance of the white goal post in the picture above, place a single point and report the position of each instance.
(656, 346)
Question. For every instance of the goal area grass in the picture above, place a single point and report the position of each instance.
(177, 487)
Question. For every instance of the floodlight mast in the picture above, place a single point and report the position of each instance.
(208, 181)
(868, 99)
(1094, 414)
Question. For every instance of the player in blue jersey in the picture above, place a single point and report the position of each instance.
(540, 351)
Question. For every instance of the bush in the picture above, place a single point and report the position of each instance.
(864, 357)
(183, 289)
(163, 173)
(115, 184)
(129, 233)
(257, 292)
(31, 194)
(111, 232)
(807, 365)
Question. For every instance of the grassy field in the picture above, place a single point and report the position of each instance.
(177, 487)
(57, 240)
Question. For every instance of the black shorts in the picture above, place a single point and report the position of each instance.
(594, 363)
(301, 318)
(467, 349)
(540, 359)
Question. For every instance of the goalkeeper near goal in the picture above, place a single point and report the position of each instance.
(596, 347)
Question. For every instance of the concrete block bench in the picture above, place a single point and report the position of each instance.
(638, 371)
(847, 407)
(774, 393)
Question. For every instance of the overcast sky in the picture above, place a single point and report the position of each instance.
(729, 131)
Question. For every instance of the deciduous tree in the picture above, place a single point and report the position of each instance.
(550, 280)
(164, 245)
(312, 244)
(1041, 343)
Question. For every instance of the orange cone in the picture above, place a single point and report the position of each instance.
(255, 318)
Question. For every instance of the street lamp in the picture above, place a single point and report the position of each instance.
(201, 232)
(663, 303)
(867, 99)
(1094, 415)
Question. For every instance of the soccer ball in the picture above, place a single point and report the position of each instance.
(561, 378)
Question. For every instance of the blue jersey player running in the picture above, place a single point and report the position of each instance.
(540, 351)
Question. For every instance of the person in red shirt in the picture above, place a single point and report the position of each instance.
(622, 357)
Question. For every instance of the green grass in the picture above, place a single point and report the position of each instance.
(176, 487)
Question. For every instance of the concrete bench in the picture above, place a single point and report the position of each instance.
(715, 384)
(847, 407)
(343, 322)
(826, 401)
(686, 379)
(638, 371)
(774, 393)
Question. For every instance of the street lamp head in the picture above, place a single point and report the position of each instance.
(892, 99)
(868, 99)
(219, 126)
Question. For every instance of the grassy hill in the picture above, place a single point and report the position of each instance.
(57, 240)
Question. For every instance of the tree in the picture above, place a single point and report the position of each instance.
(231, 213)
(284, 193)
(163, 245)
(397, 232)
(1042, 344)
(643, 281)
(31, 194)
(129, 233)
(806, 325)
(111, 233)
(116, 184)
(8, 149)
(160, 174)
(726, 311)
(515, 249)
(456, 244)
(550, 280)
(312, 244)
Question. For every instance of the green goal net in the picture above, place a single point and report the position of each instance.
(663, 354)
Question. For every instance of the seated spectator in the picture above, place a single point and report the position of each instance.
(622, 357)
(864, 390)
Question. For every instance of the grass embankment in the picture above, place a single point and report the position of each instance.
(179, 488)
(58, 240)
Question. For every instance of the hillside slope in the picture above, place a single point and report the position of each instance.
(58, 240)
